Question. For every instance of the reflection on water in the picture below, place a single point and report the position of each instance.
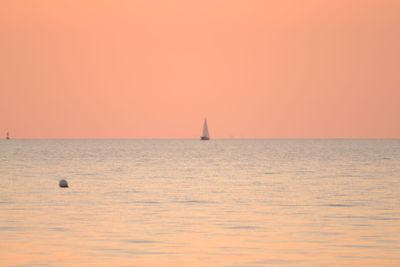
(191, 203)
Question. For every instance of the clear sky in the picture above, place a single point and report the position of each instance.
(155, 69)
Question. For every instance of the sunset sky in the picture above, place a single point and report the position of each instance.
(156, 69)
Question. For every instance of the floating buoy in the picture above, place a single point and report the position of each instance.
(63, 183)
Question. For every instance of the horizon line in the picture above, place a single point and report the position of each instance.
(194, 139)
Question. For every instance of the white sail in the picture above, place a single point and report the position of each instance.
(205, 135)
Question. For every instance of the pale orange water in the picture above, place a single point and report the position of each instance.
(191, 203)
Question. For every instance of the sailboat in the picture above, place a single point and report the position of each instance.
(205, 135)
(8, 136)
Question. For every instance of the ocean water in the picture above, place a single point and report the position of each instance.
(191, 203)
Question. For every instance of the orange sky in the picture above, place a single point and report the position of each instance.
(155, 69)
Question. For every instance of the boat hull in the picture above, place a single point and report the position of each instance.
(205, 138)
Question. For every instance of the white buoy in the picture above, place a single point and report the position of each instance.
(63, 183)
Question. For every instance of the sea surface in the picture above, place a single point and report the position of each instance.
(230, 203)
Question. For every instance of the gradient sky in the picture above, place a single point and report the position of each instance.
(155, 69)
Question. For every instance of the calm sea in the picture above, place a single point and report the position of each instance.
(191, 203)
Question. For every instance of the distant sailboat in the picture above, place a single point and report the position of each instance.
(8, 136)
(205, 135)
